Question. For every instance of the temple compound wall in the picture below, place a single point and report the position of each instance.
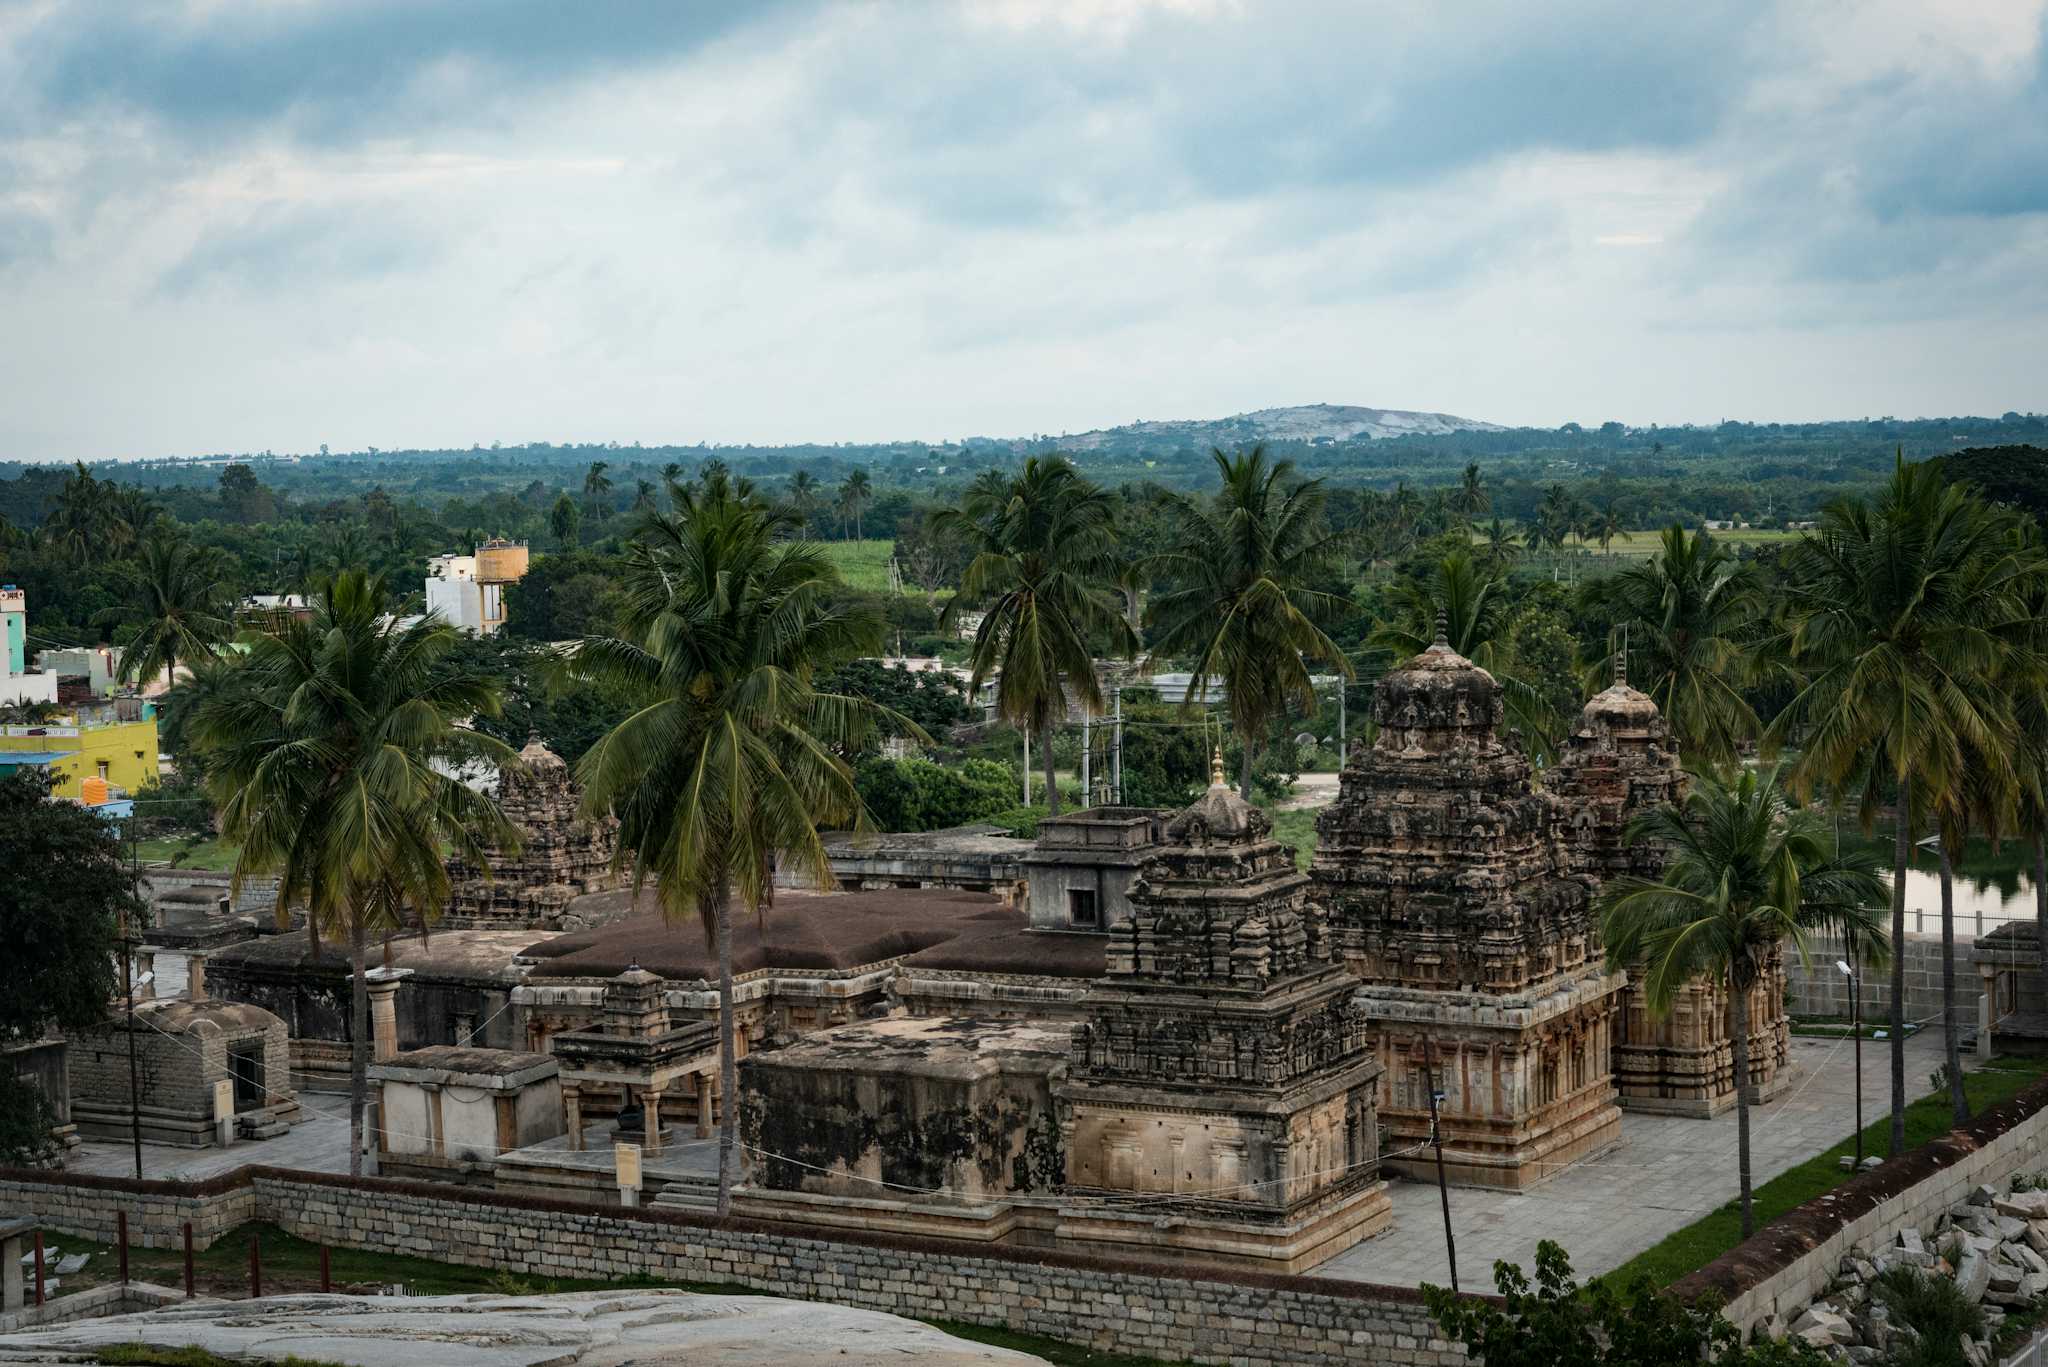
(1454, 898)
(1618, 763)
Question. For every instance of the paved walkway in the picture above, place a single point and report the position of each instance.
(318, 1143)
(1666, 1173)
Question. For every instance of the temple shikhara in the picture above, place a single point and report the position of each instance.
(1147, 1032)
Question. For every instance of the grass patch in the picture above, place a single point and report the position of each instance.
(1056, 1351)
(1699, 1243)
(163, 1355)
(188, 854)
(1296, 827)
(862, 564)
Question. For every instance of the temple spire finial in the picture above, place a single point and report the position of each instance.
(1216, 779)
(1443, 629)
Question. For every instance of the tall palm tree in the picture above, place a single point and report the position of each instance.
(347, 550)
(1239, 603)
(178, 605)
(328, 750)
(1478, 624)
(1605, 524)
(1907, 612)
(1045, 559)
(597, 488)
(1692, 613)
(643, 495)
(803, 496)
(1746, 873)
(855, 493)
(1500, 546)
(1471, 498)
(731, 759)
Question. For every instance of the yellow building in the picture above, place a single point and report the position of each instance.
(124, 753)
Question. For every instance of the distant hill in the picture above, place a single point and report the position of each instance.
(1313, 423)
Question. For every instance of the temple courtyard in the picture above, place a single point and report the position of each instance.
(1667, 1172)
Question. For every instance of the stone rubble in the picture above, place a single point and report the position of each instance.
(1994, 1246)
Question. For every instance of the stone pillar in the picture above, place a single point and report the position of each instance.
(650, 1102)
(383, 983)
(572, 1105)
(12, 1232)
(195, 976)
(141, 967)
(703, 1105)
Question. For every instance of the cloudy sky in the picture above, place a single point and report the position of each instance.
(244, 224)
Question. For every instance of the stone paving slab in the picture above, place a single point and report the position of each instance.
(318, 1143)
(1667, 1172)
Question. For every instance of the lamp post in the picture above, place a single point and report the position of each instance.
(1855, 1029)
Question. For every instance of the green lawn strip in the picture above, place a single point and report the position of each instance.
(204, 854)
(1691, 1248)
(861, 564)
(161, 1355)
(1056, 1351)
(1296, 827)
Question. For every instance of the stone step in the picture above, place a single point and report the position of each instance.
(687, 1195)
(264, 1129)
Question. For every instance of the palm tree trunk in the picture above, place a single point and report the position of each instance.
(1738, 1038)
(1244, 769)
(728, 1064)
(1902, 853)
(1052, 786)
(1958, 1100)
(358, 1047)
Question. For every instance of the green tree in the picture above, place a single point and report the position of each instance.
(564, 520)
(803, 496)
(731, 759)
(1691, 614)
(597, 488)
(64, 888)
(1471, 609)
(1500, 546)
(1471, 498)
(1906, 612)
(1045, 554)
(243, 497)
(179, 609)
(1559, 1322)
(917, 795)
(1747, 874)
(856, 491)
(1237, 602)
(326, 747)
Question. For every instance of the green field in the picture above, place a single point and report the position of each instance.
(206, 854)
(862, 564)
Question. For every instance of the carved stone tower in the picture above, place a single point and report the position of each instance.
(1618, 763)
(1222, 1068)
(561, 855)
(1454, 898)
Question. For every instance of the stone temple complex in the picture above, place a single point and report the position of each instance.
(1456, 901)
(561, 857)
(1222, 1061)
(1619, 762)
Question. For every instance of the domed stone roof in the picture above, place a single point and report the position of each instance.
(1219, 813)
(1437, 701)
(1621, 707)
(536, 755)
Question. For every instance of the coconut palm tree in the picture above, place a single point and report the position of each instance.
(1693, 618)
(1908, 611)
(1238, 602)
(1746, 872)
(1501, 549)
(1604, 525)
(597, 488)
(1044, 567)
(643, 495)
(1471, 498)
(328, 749)
(856, 491)
(731, 760)
(1477, 623)
(178, 605)
(803, 496)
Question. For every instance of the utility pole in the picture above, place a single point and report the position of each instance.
(1026, 733)
(128, 987)
(1436, 1137)
(1087, 769)
(1116, 757)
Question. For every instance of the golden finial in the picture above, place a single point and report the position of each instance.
(1216, 779)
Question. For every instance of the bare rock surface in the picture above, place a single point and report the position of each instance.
(589, 1329)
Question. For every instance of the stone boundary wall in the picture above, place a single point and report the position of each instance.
(1157, 1309)
(1790, 1262)
(1819, 989)
(90, 1304)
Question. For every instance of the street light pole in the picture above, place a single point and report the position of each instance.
(1856, 1029)
(1436, 1137)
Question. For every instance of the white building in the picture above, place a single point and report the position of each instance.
(468, 591)
(16, 683)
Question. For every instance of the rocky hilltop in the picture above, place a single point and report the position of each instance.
(1331, 422)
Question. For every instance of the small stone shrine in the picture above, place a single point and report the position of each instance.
(1619, 762)
(633, 1056)
(1222, 1067)
(562, 855)
(1454, 897)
